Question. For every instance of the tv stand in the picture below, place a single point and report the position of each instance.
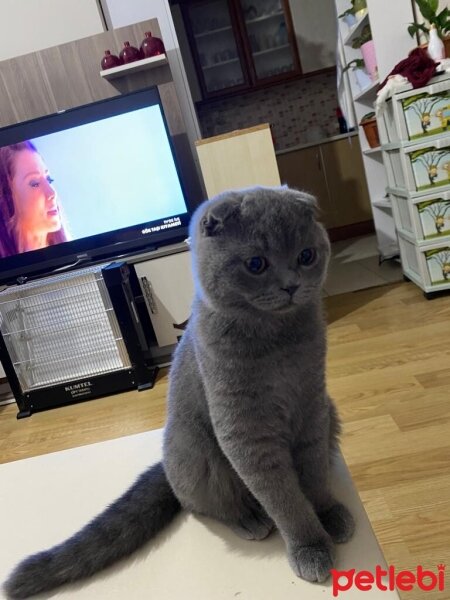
(76, 336)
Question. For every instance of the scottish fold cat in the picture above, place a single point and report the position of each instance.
(251, 430)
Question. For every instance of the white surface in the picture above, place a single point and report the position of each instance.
(315, 29)
(2, 372)
(47, 498)
(173, 291)
(32, 25)
(389, 24)
(134, 67)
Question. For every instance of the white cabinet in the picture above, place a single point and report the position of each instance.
(168, 289)
(416, 151)
(31, 25)
(316, 33)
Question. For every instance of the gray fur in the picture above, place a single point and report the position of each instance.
(251, 430)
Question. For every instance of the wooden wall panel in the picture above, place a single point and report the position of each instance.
(28, 91)
(68, 76)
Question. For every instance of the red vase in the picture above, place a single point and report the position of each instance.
(110, 60)
(151, 46)
(129, 53)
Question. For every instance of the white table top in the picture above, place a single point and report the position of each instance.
(45, 499)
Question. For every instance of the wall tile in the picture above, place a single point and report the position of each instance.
(292, 109)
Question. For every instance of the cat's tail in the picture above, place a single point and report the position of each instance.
(136, 517)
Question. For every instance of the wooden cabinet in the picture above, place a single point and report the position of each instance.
(239, 44)
(334, 173)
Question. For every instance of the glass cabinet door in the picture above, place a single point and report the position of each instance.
(213, 37)
(271, 45)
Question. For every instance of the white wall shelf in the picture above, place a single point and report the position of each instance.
(134, 67)
(366, 92)
(357, 27)
(391, 40)
(372, 150)
(382, 203)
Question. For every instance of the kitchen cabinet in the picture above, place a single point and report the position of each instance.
(238, 45)
(333, 172)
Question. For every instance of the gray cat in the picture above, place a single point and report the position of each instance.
(251, 430)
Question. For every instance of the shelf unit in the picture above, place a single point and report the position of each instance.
(372, 150)
(392, 44)
(368, 91)
(357, 27)
(134, 67)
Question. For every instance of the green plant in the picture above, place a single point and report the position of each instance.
(429, 11)
(349, 11)
(358, 63)
(368, 117)
(366, 36)
(357, 5)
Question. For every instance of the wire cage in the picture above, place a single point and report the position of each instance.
(61, 328)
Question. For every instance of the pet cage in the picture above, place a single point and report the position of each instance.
(75, 336)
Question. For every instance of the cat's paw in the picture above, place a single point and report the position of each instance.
(338, 523)
(312, 563)
(254, 527)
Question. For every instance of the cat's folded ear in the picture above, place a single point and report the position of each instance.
(216, 213)
(307, 199)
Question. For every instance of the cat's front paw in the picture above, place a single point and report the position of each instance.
(312, 563)
(338, 523)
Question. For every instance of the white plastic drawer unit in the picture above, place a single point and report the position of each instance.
(413, 115)
(420, 168)
(426, 218)
(427, 266)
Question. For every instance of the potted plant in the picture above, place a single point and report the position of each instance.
(357, 10)
(349, 17)
(367, 47)
(441, 20)
(369, 124)
(359, 70)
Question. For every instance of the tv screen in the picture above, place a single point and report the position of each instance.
(90, 183)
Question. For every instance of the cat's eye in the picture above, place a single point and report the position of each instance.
(307, 257)
(256, 264)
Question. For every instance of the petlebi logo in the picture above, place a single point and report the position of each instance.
(389, 579)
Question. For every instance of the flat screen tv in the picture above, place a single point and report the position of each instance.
(91, 183)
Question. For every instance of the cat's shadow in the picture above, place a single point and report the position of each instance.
(271, 548)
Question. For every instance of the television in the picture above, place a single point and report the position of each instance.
(92, 183)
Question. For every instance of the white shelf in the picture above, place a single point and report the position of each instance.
(382, 203)
(368, 90)
(134, 67)
(356, 28)
(372, 150)
(265, 17)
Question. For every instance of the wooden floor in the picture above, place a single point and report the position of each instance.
(389, 372)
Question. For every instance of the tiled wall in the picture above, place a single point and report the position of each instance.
(299, 111)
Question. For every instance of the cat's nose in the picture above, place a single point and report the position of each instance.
(291, 289)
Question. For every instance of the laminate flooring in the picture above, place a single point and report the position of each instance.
(389, 373)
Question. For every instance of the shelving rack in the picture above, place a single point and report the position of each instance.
(392, 44)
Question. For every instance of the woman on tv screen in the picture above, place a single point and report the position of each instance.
(30, 216)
